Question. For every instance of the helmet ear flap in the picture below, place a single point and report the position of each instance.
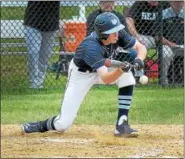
(104, 36)
(100, 35)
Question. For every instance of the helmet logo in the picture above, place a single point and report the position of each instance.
(114, 21)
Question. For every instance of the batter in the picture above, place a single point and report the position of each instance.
(88, 68)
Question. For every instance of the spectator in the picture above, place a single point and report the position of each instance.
(173, 29)
(108, 6)
(142, 21)
(41, 21)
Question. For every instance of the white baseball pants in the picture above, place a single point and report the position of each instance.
(79, 83)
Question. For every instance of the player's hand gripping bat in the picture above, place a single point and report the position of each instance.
(125, 66)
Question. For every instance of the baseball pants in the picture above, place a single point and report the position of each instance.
(79, 83)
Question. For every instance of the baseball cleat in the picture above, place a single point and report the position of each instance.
(123, 129)
(31, 127)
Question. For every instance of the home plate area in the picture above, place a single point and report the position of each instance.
(85, 141)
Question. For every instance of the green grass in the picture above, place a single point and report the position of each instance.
(66, 12)
(14, 73)
(150, 106)
(19, 104)
(17, 13)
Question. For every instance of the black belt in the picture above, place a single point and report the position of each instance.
(82, 69)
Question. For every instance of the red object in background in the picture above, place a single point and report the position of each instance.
(151, 69)
(74, 33)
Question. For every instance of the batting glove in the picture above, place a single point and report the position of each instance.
(126, 67)
(139, 64)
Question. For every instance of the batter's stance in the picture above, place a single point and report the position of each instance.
(89, 67)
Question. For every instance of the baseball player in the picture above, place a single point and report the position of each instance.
(89, 67)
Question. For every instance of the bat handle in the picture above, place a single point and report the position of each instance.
(134, 66)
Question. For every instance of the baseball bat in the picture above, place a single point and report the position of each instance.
(113, 63)
(116, 63)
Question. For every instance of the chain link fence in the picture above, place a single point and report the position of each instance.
(39, 39)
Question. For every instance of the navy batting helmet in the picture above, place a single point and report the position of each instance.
(107, 23)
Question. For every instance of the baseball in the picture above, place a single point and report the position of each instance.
(143, 79)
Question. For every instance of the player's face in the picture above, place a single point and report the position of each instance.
(112, 38)
(153, 3)
(177, 5)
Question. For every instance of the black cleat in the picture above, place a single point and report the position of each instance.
(124, 130)
(32, 127)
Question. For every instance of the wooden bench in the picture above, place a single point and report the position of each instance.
(12, 31)
(12, 38)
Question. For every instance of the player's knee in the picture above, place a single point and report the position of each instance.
(63, 125)
(126, 79)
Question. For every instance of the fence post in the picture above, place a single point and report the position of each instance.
(160, 45)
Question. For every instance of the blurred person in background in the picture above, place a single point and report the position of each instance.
(142, 21)
(41, 21)
(173, 33)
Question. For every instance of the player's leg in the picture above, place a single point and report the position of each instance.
(77, 87)
(167, 58)
(33, 40)
(126, 86)
(46, 50)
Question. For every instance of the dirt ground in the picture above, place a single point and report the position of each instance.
(155, 141)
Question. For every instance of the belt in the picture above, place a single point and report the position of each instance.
(83, 70)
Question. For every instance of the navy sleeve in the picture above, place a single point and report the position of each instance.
(126, 40)
(94, 55)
